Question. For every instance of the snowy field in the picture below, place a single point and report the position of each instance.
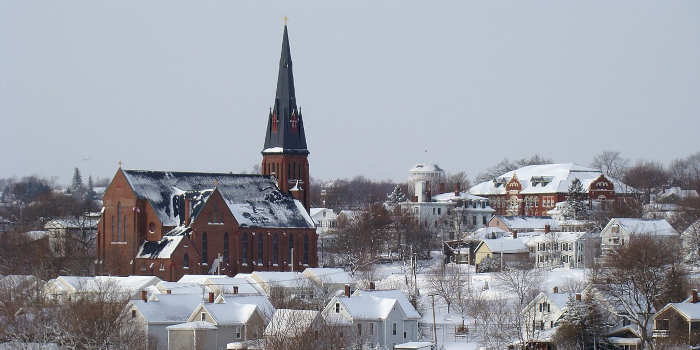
(394, 276)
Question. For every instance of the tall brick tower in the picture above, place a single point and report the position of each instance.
(285, 154)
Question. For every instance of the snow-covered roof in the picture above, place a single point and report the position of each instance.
(162, 249)
(36, 235)
(557, 236)
(82, 222)
(400, 296)
(654, 227)
(199, 279)
(192, 325)
(282, 279)
(227, 312)
(450, 197)
(425, 168)
(181, 288)
(367, 307)
(290, 323)
(262, 302)
(676, 192)
(547, 178)
(527, 222)
(489, 233)
(329, 275)
(225, 284)
(130, 284)
(505, 245)
(691, 311)
(168, 308)
(254, 200)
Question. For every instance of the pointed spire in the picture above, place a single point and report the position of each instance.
(286, 132)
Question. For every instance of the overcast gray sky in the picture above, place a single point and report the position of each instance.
(186, 85)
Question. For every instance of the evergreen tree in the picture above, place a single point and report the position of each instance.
(576, 202)
(91, 189)
(396, 196)
(581, 326)
(77, 184)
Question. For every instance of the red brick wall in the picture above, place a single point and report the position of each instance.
(284, 165)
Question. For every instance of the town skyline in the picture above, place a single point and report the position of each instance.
(378, 89)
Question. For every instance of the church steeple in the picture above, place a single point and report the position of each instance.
(285, 126)
(285, 154)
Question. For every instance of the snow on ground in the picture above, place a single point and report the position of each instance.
(394, 276)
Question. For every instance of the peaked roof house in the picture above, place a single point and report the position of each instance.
(235, 320)
(510, 250)
(679, 322)
(157, 312)
(373, 318)
(170, 223)
(619, 230)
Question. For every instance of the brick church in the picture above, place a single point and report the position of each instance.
(169, 223)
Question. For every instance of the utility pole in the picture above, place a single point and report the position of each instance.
(434, 327)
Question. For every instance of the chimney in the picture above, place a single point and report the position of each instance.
(211, 297)
(547, 228)
(442, 187)
(371, 285)
(457, 191)
(144, 296)
(515, 234)
(578, 296)
(235, 289)
(347, 290)
(555, 290)
(168, 291)
(695, 296)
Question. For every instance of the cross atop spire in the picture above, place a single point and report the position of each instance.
(285, 127)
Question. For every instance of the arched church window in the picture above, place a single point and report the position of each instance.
(204, 248)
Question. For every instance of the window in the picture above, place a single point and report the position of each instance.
(275, 249)
(359, 329)
(186, 261)
(226, 246)
(119, 222)
(204, 248)
(124, 229)
(114, 237)
(615, 229)
(244, 248)
(203, 316)
(337, 308)
(662, 325)
(260, 249)
(483, 219)
(237, 332)
(473, 219)
(306, 249)
(371, 328)
(290, 249)
(133, 313)
(439, 210)
(393, 328)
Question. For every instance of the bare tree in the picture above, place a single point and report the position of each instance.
(524, 283)
(640, 277)
(611, 163)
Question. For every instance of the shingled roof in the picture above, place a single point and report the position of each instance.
(254, 200)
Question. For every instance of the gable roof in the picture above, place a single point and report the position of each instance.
(254, 200)
(547, 178)
(367, 307)
(225, 312)
(168, 308)
(329, 275)
(527, 222)
(291, 323)
(505, 245)
(691, 311)
(655, 227)
(400, 296)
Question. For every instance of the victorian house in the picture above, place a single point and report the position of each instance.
(534, 190)
(170, 223)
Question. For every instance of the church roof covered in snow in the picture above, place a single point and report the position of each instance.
(546, 178)
(254, 200)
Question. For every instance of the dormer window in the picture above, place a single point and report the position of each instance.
(337, 308)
